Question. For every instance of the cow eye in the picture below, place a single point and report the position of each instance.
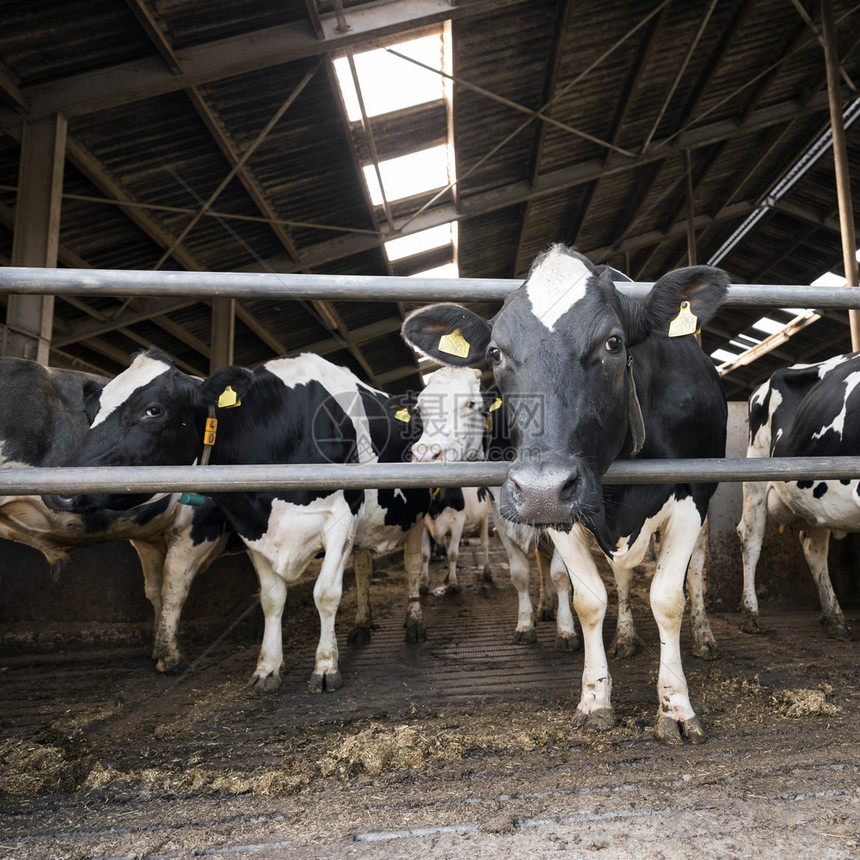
(470, 404)
(614, 344)
(153, 412)
(495, 354)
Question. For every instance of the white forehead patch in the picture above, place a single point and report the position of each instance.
(556, 285)
(142, 371)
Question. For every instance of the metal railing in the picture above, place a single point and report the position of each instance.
(272, 477)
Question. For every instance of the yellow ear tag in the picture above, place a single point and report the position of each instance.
(228, 399)
(496, 404)
(685, 323)
(454, 344)
(403, 415)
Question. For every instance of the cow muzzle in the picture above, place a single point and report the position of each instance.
(544, 496)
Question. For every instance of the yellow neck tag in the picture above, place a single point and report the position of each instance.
(454, 344)
(210, 431)
(403, 415)
(685, 323)
(496, 404)
(228, 399)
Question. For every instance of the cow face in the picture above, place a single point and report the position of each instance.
(451, 408)
(146, 416)
(560, 350)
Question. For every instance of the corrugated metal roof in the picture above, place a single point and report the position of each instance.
(571, 121)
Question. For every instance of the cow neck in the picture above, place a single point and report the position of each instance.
(634, 410)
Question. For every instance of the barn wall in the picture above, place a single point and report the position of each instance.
(103, 585)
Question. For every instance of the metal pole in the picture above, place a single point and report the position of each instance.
(840, 158)
(327, 476)
(268, 285)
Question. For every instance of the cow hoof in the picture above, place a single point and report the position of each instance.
(172, 665)
(423, 590)
(525, 637)
(359, 636)
(623, 649)
(706, 649)
(837, 631)
(546, 614)
(415, 632)
(600, 720)
(749, 624)
(265, 684)
(567, 643)
(675, 732)
(487, 576)
(325, 682)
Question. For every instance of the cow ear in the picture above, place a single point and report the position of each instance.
(92, 398)
(694, 293)
(236, 378)
(449, 334)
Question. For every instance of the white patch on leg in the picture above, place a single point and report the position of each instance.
(556, 285)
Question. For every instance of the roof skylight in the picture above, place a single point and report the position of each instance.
(407, 175)
(389, 83)
(417, 243)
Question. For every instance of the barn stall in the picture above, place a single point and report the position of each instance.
(158, 135)
(456, 744)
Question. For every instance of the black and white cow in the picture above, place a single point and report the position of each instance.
(454, 511)
(297, 409)
(589, 376)
(808, 410)
(47, 412)
(461, 422)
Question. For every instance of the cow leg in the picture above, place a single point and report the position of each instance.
(518, 561)
(704, 643)
(594, 711)
(676, 719)
(751, 532)
(183, 562)
(548, 588)
(457, 526)
(816, 543)
(414, 624)
(487, 573)
(565, 629)
(625, 644)
(425, 561)
(273, 595)
(362, 563)
(152, 557)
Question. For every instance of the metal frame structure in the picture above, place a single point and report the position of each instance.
(270, 477)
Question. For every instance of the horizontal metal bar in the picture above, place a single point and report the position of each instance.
(275, 286)
(269, 478)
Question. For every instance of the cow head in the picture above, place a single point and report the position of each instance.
(152, 414)
(560, 352)
(451, 408)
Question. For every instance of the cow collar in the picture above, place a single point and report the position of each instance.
(227, 400)
(634, 410)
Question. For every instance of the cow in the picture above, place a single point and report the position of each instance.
(294, 409)
(807, 410)
(588, 376)
(460, 423)
(47, 412)
(455, 512)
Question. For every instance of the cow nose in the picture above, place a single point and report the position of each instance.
(542, 495)
(427, 454)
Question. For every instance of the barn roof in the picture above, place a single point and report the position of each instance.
(585, 122)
